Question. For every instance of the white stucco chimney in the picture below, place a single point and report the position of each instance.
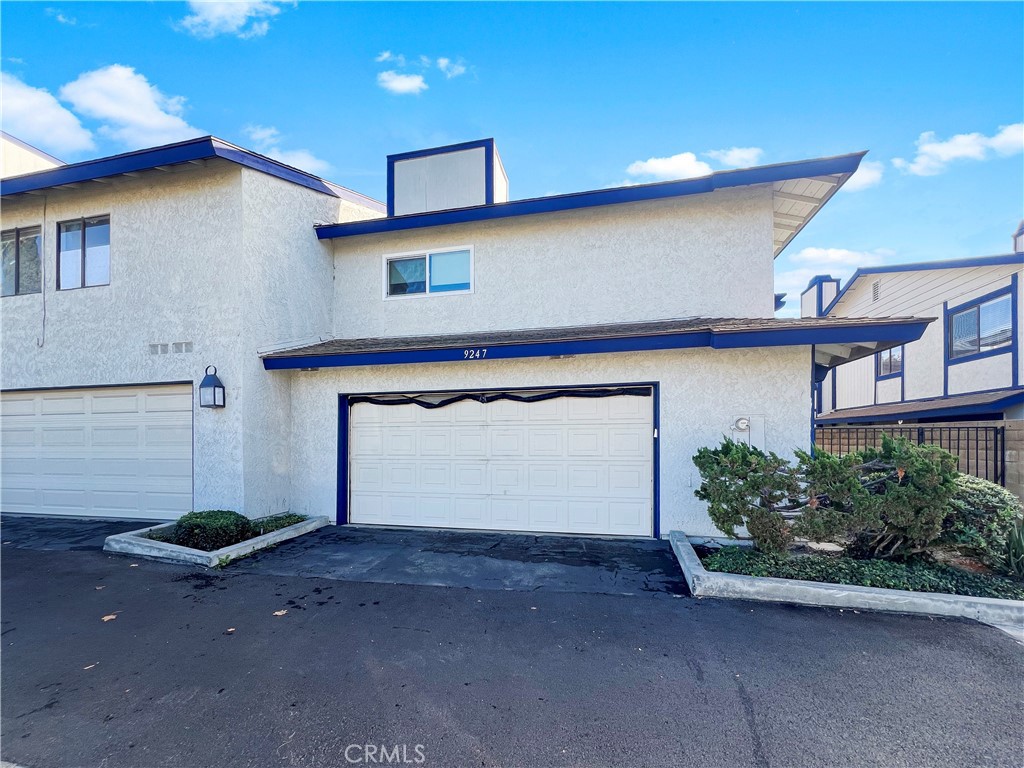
(1018, 238)
(443, 178)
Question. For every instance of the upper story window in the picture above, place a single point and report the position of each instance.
(83, 253)
(22, 249)
(981, 327)
(448, 270)
(889, 362)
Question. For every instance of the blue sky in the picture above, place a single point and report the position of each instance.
(578, 96)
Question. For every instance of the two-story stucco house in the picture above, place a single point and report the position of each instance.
(452, 359)
(965, 370)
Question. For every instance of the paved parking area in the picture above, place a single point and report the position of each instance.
(476, 560)
(243, 667)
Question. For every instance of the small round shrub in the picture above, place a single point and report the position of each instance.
(212, 529)
(981, 518)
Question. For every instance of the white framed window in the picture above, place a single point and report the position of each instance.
(439, 271)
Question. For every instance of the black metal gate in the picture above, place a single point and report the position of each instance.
(982, 450)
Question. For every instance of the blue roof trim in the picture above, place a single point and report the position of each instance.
(766, 174)
(204, 148)
(979, 261)
(780, 301)
(957, 410)
(880, 331)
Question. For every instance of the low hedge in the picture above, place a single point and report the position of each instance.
(212, 529)
(914, 576)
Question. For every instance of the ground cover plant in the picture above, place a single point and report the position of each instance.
(212, 529)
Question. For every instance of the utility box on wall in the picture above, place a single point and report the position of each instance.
(749, 430)
(444, 178)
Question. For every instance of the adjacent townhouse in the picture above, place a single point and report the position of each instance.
(959, 385)
(449, 359)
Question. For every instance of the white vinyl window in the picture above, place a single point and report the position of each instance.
(423, 273)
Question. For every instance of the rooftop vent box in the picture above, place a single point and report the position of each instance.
(443, 178)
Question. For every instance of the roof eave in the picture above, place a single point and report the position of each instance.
(851, 340)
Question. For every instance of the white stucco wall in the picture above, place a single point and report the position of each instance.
(172, 243)
(702, 392)
(707, 255)
(223, 257)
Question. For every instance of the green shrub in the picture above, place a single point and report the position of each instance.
(915, 575)
(275, 523)
(212, 529)
(980, 520)
(1015, 549)
(744, 486)
(911, 486)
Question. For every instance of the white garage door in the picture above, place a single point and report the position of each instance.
(561, 465)
(118, 452)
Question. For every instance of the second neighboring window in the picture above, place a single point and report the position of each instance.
(985, 326)
(443, 271)
(21, 261)
(890, 362)
(83, 253)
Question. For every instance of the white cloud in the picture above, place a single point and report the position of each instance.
(933, 155)
(241, 18)
(451, 68)
(685, 165)
(868, 175)
(394, 58)
(840, 263)
(35, 116)
(267, 140)
(736, 157)
(59, 16)
(397, 83)
(134, 112)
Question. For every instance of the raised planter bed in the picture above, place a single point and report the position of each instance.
(138, 544)
(1006, 614)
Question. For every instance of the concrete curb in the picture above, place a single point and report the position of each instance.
(135, 543)
(703, 583)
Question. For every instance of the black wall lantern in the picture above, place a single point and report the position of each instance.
(211, 391)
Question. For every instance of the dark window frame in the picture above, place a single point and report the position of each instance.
(18, 232)
(887, 354)
(975, 307)
(82, 220)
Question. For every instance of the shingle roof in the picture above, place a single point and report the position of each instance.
(690, 325)
(979, 402)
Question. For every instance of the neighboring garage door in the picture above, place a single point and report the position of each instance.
(117, 452)
(564, 464)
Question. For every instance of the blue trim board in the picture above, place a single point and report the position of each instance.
(486, 144)
(951, 411)
(979, 261)
(194, 150)
(767, 174)
(882, 332)
(1011, 349)
(780, 301)
(342, 514)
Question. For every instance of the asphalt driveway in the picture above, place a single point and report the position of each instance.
(202, 669)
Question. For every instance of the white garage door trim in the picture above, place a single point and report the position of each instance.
(362, 497)
(111, 452)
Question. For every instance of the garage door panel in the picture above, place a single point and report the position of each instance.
(560, 465)
(121, 452)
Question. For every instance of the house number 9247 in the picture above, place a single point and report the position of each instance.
(474, 354)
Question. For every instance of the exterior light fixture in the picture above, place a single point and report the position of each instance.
(211, 390)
